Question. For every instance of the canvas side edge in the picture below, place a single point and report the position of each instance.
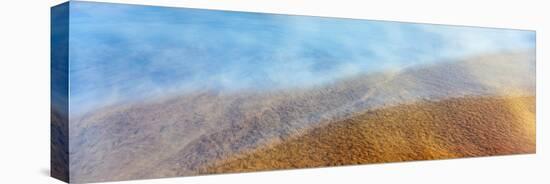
(59, 94)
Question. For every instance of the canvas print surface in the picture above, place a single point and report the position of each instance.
(144, 92)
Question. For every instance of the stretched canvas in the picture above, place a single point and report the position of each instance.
(143, 92)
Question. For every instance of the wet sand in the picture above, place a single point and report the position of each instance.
(477, 106)
(454, 128)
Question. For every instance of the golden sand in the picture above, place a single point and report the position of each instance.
(460, 127)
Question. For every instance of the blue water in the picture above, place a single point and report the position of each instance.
(127, 52)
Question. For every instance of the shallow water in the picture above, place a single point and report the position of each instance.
(125, 53)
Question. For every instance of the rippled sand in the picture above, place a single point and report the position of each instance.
(472, 107)
(454, 128)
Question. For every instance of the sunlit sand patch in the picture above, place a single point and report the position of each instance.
(423, 131)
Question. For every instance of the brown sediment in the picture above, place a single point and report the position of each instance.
(354, 120)
(453, 128)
